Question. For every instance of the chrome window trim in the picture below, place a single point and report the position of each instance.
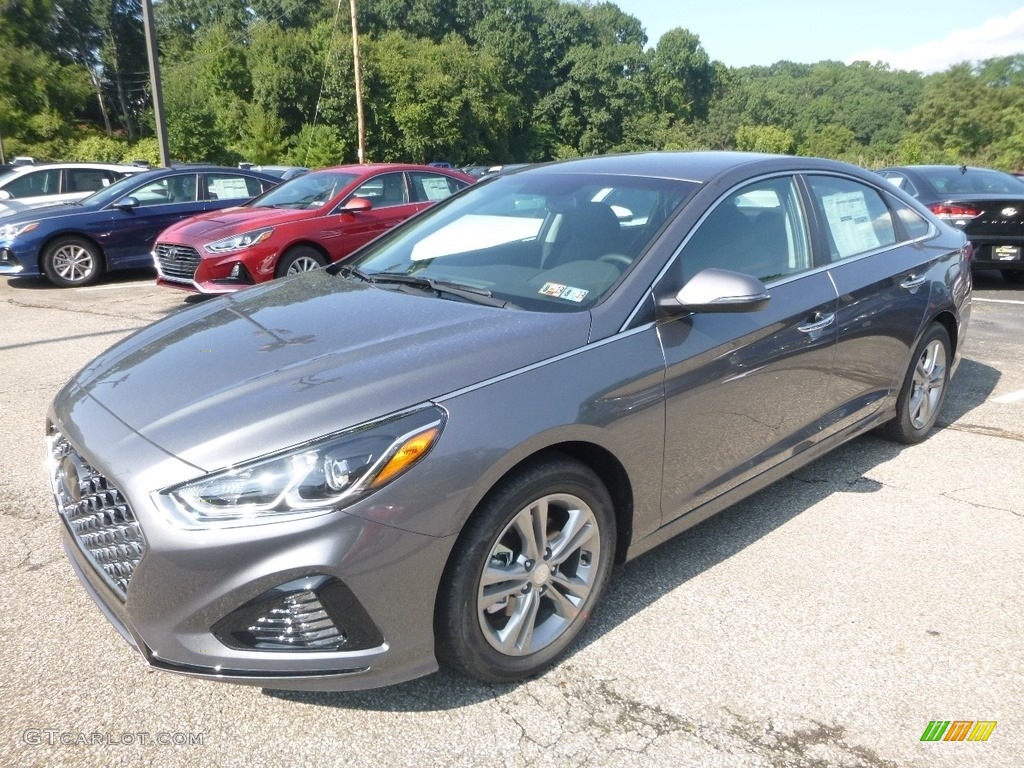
(932, 232)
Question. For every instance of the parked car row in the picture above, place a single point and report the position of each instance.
(274, 227)
(313, 218)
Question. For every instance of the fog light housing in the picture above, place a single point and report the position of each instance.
(316, 613)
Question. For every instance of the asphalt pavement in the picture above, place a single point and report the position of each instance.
(824, 622)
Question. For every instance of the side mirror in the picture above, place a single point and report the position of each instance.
(718, 290)
(4, 194)
(127, 203)
(354, 204)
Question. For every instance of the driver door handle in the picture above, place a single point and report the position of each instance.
(818, 322)
(913, 283)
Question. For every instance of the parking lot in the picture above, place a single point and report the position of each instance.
(823, 622)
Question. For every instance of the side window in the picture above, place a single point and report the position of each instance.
(431, 187)
(383, 191)
(35, 183)
(88, 179)
(856, 217)
(900, 181)
(230, 186)
(758, 230)
(173, 189)
(914, 224)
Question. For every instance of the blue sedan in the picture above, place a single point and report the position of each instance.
(115, 228)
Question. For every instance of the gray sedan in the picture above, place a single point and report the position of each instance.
(437, 450)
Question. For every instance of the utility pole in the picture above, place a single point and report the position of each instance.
(154, 76)
(359, 83)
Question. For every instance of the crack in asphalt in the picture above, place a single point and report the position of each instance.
(83, 311)
(790, 750)
(622, 724)
(949, 495)
(980, 429)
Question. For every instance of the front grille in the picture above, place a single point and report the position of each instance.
(177, 262)
(97, 514)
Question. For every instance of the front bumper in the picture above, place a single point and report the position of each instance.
(190, 268)
(188, 583)
(10, 263)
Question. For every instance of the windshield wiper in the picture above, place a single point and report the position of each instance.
(440, 287)
(349, 271)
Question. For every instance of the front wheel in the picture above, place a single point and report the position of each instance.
(924, 388)
(71, 261)
(300, 259)
(527, 572)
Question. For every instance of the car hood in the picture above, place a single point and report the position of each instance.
(272, 366)
(18, 211)
(230, 221)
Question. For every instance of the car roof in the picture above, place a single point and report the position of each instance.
(699, 167)
(950, 167)
(26, 168)
(375, 167)
(156, 173)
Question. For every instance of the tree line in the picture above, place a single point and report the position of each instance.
(466, 81)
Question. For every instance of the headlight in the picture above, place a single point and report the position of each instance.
(312, 479)
(11, 231)
(238, 242)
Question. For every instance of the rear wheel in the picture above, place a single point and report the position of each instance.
(527, 572)
(71, 261)
(924, 388)
(300, 259)
(1015, 276)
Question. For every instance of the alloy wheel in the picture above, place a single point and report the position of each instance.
(540, 570)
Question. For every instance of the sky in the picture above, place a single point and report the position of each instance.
(906, 34)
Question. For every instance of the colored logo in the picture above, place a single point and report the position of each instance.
(958, 730)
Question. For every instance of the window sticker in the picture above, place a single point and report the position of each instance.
(850, 222)
(559, 291)
(436, 188)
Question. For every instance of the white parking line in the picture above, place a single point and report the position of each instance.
(998, 301)
(112, 286)
(1013, 397)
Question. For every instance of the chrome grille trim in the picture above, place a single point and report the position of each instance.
(177, 262)
(299, 621)
(99, 517)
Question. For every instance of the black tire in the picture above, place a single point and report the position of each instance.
(1015, 276)
(924, 388)
(72, 261)
(301, 258)
(471, 619)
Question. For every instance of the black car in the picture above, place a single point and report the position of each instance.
(987, 205)
(74, 243)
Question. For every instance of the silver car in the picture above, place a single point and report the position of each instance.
(33, 186)
(437, 450)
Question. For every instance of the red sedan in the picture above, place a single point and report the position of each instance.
(300, 225)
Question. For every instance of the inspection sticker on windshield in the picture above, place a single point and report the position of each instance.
(560, 291)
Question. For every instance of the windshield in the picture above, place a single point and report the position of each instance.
(545, 241)
(973, 181)
(311, 190)
(115, 191)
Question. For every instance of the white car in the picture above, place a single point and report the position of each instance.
(32, 186)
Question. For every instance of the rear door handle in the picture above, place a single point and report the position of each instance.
(913, 283)
(817, 322)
